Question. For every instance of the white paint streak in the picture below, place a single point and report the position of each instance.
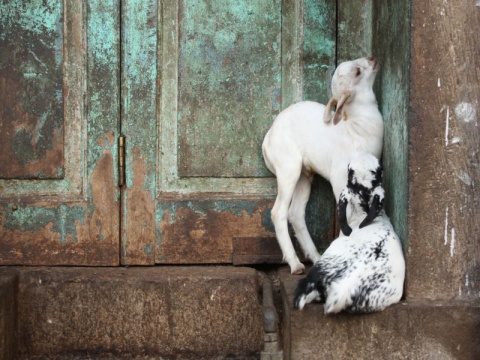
(466, 179)
(455, 140)
(452, 242)
(447, 125)
(445, 236)
(466, 112)
(467, 281)
(439, 83)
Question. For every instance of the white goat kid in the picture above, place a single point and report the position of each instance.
(363, 272)
(300, 143)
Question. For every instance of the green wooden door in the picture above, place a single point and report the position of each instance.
(194, 85)
(59, 122)
(202, 81)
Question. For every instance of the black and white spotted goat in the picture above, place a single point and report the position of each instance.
(363, 271)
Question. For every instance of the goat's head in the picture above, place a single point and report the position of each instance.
(349, 79)
(365, 185)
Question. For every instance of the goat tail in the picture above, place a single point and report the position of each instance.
(310, 288)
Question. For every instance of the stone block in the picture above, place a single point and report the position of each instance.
(168, 312)
(413, 329)
(8, 316)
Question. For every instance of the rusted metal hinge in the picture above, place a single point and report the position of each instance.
(121, 160)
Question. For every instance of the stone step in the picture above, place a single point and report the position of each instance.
(154, 313)
(8, 316)
(413, 329)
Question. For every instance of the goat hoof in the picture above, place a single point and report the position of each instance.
(298, 270)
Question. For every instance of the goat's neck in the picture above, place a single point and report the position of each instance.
(363, 118)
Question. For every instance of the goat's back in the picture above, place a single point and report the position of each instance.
(299, 133)
(374, 271)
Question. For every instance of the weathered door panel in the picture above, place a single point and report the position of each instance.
(196, 181)
(31, 101)
(59, 124)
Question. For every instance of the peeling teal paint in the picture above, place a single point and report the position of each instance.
(319, 47)
(37, 16)
(236, 207)
(101, 22)
(228, 85)
(149, 249)
(139, 73)
(63, 219)
(392, 94)
(59, 70)
(31, 39)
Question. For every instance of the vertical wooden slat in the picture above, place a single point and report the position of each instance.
(391, 39)
(318, 48)
(354, 38)
(291, 52)
(139, 125)
(317, 63)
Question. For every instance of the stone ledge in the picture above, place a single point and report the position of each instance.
(167, 312)
(8, 316)
(414, 329)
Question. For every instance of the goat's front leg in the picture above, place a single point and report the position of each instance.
(286, 187)
(296, 215)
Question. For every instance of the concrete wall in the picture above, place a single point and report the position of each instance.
(443, 251)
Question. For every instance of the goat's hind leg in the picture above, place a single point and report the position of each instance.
(310, 288)
(296, 215)
(286, 186)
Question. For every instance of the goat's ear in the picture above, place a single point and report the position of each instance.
(342, 216)
(375, 208)
(339, 112)
(327, 114)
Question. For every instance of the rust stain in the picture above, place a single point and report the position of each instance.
(103, 224)
(31, 87)
(88, 235)
(138, 235)
(189, 236)
(24, 154)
